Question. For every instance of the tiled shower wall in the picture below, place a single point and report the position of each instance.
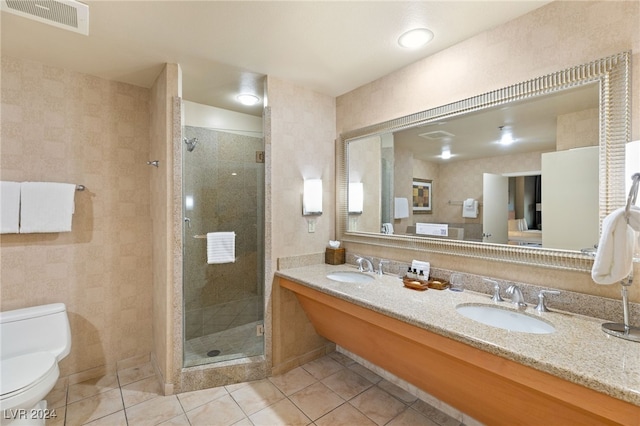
(227, 186)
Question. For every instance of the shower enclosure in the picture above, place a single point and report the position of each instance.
(223, 191)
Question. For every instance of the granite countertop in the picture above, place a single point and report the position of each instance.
(578, 351)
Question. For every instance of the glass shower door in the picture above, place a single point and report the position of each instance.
(223, 189)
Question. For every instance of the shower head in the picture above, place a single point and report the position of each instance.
(191, 143)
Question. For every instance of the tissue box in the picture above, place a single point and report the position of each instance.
(334, 256)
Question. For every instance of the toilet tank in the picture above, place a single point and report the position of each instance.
(42, 328)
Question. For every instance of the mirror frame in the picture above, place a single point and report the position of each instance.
(613, 75)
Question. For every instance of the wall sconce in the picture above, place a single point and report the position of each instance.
(356, 197)
(312, 197)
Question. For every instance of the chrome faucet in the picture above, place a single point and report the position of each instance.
(516, 296)
(542, 307)
(361, 267)
(380, 263)
(496, 290)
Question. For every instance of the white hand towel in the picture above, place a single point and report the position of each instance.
(9, 207)
(614, 258)
(470, 208)
(46, 207)
(401, 208)
(221, 247)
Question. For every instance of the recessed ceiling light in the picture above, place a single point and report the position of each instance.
(415, 38)
(446, 153)
(506, 137)
(248, 99)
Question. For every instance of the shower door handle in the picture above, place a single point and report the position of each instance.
(188, 221)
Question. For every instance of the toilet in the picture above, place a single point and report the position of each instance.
(32, 342)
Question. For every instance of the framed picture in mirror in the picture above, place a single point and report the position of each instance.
(422, 196)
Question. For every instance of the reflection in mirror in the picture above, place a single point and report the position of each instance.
(524, 174)
(522, 169)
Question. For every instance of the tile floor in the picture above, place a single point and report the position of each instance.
(333, 390)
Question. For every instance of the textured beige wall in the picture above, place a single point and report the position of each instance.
(63, 126)
(301, 144)
(554, 37)
(303, 141)
(163, 92)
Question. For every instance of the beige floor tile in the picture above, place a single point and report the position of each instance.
(92, 387)
(316, 400)
(378, 405)
(293, 381)
(244, 422)
(397, 392)
(58, 395)
(323, 367)
(191, 400)
(140, 391)
(94, 407)
(57, 417)
(365, 372)
(133, 374)
(220, 412)
(181, 420)
(344, 415)
(411, 417)
(234, 387)
(347, 384)
(256, 396)
(154, 411)
(116, 419)
(283, 413)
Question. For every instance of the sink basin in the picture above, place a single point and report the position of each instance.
(506, 319)
(350, 277)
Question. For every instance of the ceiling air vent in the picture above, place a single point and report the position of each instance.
(68, 14)
(436, 134)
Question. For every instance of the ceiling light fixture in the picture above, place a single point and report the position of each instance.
(415, 38)
(506, 137)
(247, 99)
(446, 153)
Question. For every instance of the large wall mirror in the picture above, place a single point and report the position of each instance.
(524, 174)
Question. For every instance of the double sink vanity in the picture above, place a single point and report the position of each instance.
(463, 348)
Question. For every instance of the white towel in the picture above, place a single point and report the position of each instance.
(9, 207)
(221, 247)
(46, 207)
(401, 208)
(470, 208)
(614, 258)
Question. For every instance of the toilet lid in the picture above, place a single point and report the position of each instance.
(24, 370)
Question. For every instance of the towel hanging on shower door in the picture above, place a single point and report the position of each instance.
(221, 247)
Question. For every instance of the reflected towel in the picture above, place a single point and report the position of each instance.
(221, 247)
(9, 207)
(401, 208)
(46, 207)
(614, 258)
(470, 208)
